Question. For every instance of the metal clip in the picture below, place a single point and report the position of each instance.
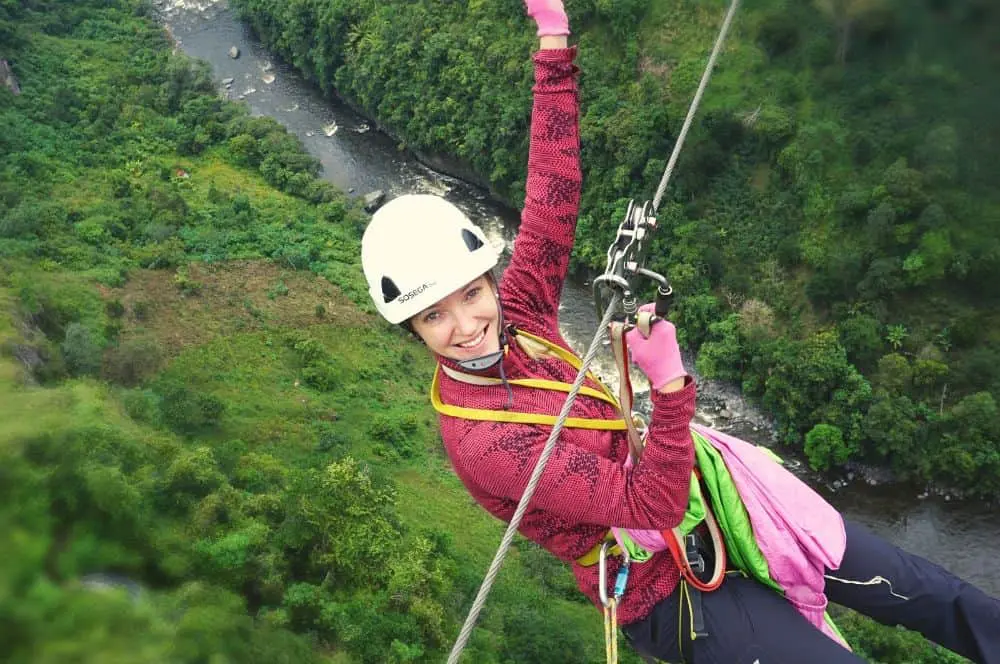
(626, 262)
(602, 574)
(695, 560)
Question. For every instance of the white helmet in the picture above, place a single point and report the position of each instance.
(417, 250)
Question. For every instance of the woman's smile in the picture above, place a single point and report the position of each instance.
(472, 344)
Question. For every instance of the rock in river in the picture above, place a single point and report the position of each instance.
(374, 200)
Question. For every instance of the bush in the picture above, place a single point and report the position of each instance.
(396, 431)
(82, 350)
(114, 309)
(825, 447)
(141, 405)
(52, 304)
(187, 411)
(192, 475)
(133, 361)
(186, 283)
(862, 339)
(778, 33)
(322, 376)
(722, 355)
(693, 316)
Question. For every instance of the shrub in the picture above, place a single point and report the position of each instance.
(187, 411)
(141, 405)
(861, 338)
(82, 350)
(194, 472)
(187, 284)
(394, 434)
(321, 376)
(778, 33)
(825, 447)
(114, 309)
(133, 361)
(722, 355)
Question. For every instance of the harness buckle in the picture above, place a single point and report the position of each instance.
(695, 558)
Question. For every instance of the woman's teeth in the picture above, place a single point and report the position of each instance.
(475, 342)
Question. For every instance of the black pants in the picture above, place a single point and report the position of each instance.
(749, 623)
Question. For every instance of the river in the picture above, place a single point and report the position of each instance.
(960, 535)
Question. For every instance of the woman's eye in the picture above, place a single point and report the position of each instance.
(430, 317)
(472, 293)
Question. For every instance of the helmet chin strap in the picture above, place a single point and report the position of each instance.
(481, 363)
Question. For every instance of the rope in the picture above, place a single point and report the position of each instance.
(536, 475)
(611, 631)
(723, 31)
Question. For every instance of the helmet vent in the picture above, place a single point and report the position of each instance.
(389, 290)
(471, 241)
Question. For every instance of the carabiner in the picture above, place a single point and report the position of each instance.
(626, 262)
(602, 574)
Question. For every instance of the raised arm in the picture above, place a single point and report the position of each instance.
(532, 284)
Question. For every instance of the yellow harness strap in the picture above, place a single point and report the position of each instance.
(538, 383)
(519, 417)
(594, 555)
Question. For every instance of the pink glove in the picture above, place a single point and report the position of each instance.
(550, 16)
(658, 356)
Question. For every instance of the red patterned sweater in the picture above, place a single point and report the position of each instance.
(584, 488)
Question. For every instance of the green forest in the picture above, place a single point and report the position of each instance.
(212, 451)
(833, 230)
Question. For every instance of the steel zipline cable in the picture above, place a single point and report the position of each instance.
(588, 358)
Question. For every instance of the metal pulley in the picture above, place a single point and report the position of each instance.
(626, 264)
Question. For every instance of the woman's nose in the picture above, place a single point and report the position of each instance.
(466, 322)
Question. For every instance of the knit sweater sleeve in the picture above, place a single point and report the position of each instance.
(585, 487)
(532, 283)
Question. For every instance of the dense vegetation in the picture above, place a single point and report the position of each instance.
(832, 231)
(209, 451)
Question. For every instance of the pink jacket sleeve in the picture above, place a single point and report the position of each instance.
(532, 283)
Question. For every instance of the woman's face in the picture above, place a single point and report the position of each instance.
(464, 325)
